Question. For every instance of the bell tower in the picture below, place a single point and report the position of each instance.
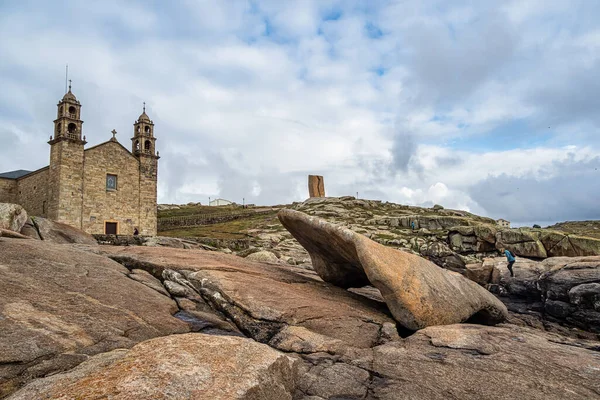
(143, 141)
(65, 176)
(144, 149)
(68, 124)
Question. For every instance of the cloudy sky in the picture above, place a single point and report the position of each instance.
(491, 107)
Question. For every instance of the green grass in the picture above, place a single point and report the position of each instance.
(580, 228)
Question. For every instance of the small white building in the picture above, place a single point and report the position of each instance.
(503, 223)
(220, 202)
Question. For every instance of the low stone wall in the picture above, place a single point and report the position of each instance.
(128, 240)
(121, 240)
(187, 221)
(232, 244)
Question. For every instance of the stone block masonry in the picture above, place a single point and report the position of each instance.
(33, 192)
(102, 205)
(316, 186)
(8, 190)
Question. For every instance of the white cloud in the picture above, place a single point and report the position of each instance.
(412, 102)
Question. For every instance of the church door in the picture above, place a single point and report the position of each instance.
(110, 228)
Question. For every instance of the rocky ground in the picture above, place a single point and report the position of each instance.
(455, 240)
(86, 321)
(452, 239)
(82, 320)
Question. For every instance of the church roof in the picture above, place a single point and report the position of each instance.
(69, 96)
(108, 142)
(144, 117)
(14, 174)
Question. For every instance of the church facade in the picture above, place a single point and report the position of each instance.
(104, 189)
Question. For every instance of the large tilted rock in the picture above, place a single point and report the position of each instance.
(418, 292)
(12, 216)
(55, 232)
(190, 366)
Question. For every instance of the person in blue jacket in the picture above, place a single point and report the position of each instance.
(510, 257)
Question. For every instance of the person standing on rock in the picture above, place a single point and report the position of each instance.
(510, 257)
(412, 225)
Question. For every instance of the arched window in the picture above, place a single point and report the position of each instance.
(147, 145)
(60, 110)
(137, 145)
(147, 129)
(138, 129)
(72, 128)
(58, 127)
(72, 111)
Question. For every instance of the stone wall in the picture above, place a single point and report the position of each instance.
(33, 192)
(65, 182)
(148, 199)
(187, 221)
(100, 204)
(8, 191)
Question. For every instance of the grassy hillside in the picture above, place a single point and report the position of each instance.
(581, 228)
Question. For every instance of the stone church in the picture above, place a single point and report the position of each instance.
(102, 189)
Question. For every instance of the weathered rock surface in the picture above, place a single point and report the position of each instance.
(478, 362)
(12, 216)
(55, 232)
(190, 366)
(521, 243)
(162, 241)
(450, 238)
(316, 186)
(560, 244)
(349, 347)
(261, 299)
(561, 289)
(12, 234)
(418, 292)
(346, 345)
(58, 305)
(263, 256)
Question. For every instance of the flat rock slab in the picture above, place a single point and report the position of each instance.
(480, 362)
(263, 298)
(418, 292)
(58, 305)
(190, 366)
